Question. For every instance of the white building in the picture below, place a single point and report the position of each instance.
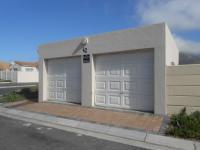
(122, 69)
(24, 66)
(21, 72)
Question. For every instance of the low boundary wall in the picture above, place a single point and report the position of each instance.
(19, 76)
(183, 88)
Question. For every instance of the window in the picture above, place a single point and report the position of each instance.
(29, 69)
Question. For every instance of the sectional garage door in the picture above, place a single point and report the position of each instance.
(125, 80)
(64, 79)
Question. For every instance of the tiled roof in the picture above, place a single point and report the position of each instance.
(4, 65)
(27, 64)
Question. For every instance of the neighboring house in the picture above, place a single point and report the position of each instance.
(20, 72)
(123, 69)
(24, 66)
(4, 66)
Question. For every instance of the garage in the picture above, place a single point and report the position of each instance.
(64, 79)
(125, 80)
(123, 70)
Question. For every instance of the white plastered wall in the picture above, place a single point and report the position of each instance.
(151, 37)
(42, 79)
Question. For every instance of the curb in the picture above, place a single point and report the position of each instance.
(116, 134)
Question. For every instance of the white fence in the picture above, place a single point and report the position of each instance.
(19, 76)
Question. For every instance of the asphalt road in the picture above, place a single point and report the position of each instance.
(8, 87)
(19, 135)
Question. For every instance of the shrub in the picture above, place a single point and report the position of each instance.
(13, 96)
(185, 126)
(17, 95)
(30, 93)
(5, 80)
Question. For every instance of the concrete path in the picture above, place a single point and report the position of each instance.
(121, 135)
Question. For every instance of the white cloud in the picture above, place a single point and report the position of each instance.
(187, 45)
(178, 14)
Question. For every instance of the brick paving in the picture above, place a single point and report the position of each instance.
(144, 121)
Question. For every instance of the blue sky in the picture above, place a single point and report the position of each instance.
(26, 24)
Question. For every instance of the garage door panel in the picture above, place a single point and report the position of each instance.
(145, 70)
(101, 71)
(145, 87)
(73, 73)
(129, 101)
(52, 94)
(100, 99)
(60, 95)
(100, 85)
(114, 70)
(114, 100)
(64, 75)
(125, 80)
(145, 106)
(114, 85)
(129, 86)
(72, 96)
(52, 83)
(130, 70)
(107, 58)
(129, 58)
(60, 84)
(73, 84)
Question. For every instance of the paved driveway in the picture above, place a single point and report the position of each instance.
(19, 135)
(143, 121)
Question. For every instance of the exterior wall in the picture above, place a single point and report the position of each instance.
(14, 67)
(172, 52)
(8, 75)
(23, 68)
(183, 86)
(34, 69)
(42, 79)
(88, 79)
(151, 37)
(19, 76)
(24, 77)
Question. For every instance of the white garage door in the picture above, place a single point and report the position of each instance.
(125, 80)
(64, 79)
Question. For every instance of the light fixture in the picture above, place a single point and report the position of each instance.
(85, 41)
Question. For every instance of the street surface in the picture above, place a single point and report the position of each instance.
(19, 135)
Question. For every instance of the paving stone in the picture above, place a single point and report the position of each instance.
(143, 121)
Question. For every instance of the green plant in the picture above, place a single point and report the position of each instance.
(184, 125)
(5, 80)
(29, 93)
(12, 97)
(25, 93)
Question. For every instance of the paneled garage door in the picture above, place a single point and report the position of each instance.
(125, 80)
(64, 79)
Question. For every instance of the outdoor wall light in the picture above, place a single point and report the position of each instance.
(85, 41)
